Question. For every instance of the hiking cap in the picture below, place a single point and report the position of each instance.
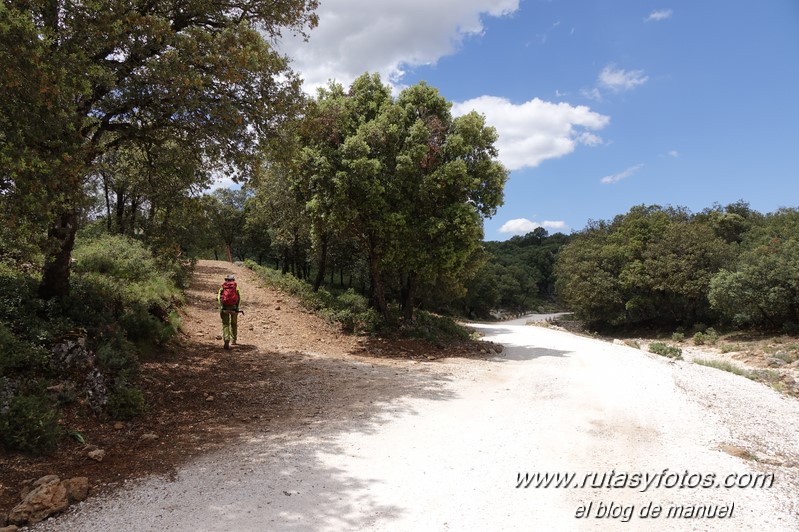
(230, 277)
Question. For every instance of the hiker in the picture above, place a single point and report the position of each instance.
(229, 298)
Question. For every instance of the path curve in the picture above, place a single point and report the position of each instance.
(441, 445)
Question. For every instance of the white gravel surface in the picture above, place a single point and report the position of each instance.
(450, 457)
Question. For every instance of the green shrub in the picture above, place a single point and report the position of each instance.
(29, 424)
(118, 358)
(17, 355)
(125, 403)
(726, 366)
(678, 337)
(699, 338)
(349, 309)
(659, 348)
(434, 328)
(116, 256)
(711, 336)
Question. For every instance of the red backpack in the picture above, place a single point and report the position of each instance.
(230, 296)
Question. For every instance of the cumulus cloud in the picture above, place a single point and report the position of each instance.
(522, 226)
(618, 80)
(357, 36)
(674, 153)
(534, 131)
(615, 178)
(660, 14)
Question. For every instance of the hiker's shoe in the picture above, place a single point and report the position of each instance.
(234, 341)
(227, 344)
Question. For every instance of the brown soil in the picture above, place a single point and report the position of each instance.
(290, 367)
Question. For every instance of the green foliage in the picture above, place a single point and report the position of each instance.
(763, 288)
(517, 276)
(29, 424)
(725, 365)
(189, 92)
(678, 337)
(665, 350)
(710, 336)
(121, 306)
(125, 403)
(115, 256)
(652, 265)
(18, 355)
(434, 328)
(400, 176)
(349, 309)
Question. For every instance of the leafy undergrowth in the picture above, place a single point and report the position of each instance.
(82, 352)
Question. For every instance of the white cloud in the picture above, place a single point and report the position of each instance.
(674, 153)
(618, 80)
(357, 36)
(615, 178)
(660, 14)
(534, 131)
(554, 224)
(522, 226)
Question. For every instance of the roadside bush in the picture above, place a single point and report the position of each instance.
(710, 336)
(29, 424)
(434, 328)
(659, 348)
(17, 355)
(125, 403)
(121, 305)
(116, 256)
(349, 309)
(677, 337)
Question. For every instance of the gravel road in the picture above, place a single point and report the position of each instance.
(460, 451)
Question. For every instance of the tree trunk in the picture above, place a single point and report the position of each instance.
(409, 295)
(320, 274)
(227, 251)
(120, 214)
(378, 291)
(108, 223)
(55, 277)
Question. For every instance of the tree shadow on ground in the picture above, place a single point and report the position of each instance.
(253, 410)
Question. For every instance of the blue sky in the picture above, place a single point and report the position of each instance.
(599, 105)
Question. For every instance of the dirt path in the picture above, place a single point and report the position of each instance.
(291, 369)
(333, 441)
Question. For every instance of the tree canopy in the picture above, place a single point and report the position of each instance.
(400, 177)
(82, 79)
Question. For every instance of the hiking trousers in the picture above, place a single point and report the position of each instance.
(230, 320)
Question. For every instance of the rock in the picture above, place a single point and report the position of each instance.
(77, 489)
(775, 362)
(119, 425)
(97, 455)
(277, 307)
(10, 528)
(147, 438)
(48, 497)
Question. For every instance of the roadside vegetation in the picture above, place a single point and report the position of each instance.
(83, 351)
